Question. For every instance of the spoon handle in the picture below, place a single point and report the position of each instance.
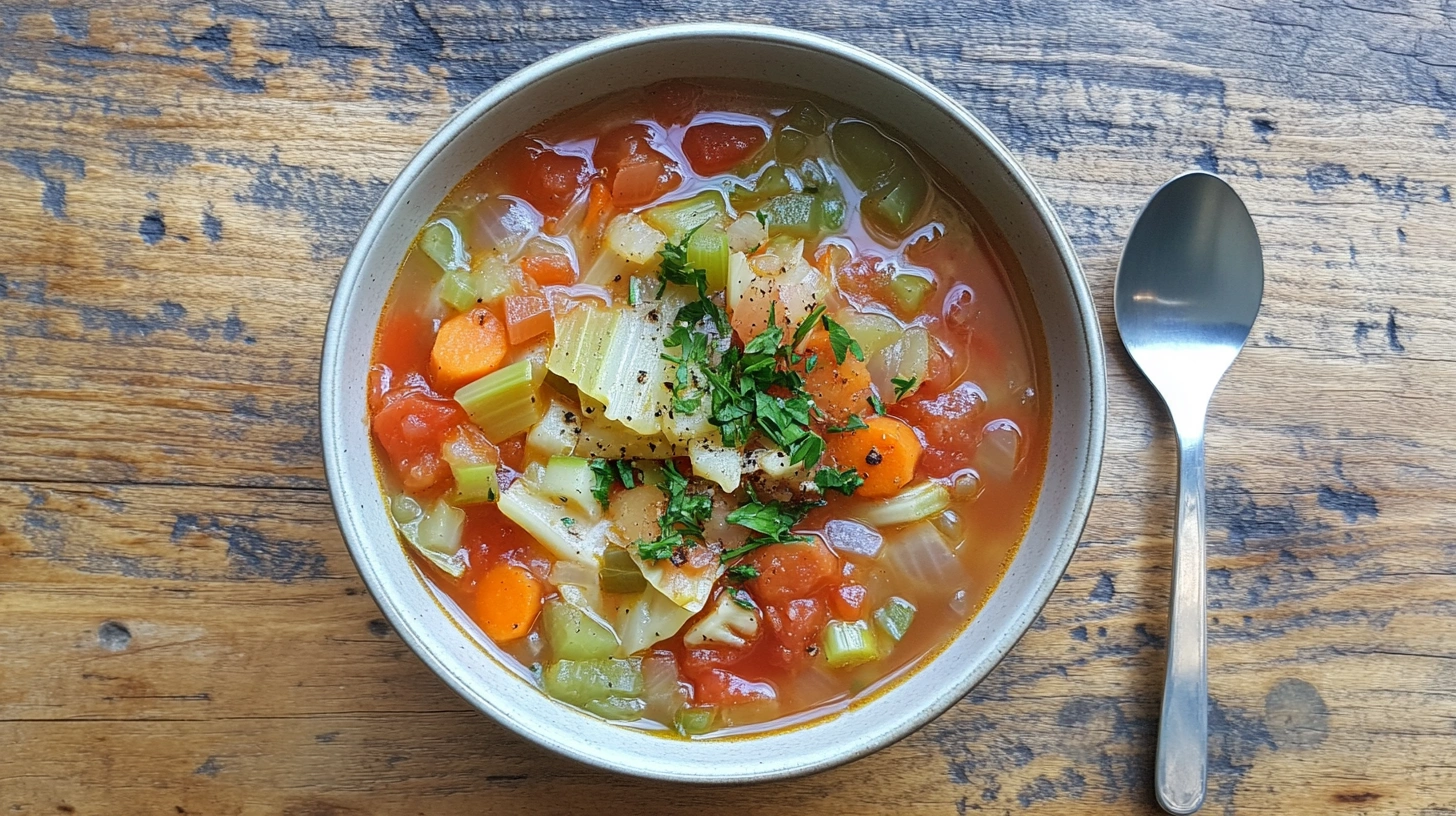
(1183, 730)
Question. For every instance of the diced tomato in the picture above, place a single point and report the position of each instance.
(715, 147)
(848, 601)
(787, 571)
(527, 316)
(513, 452)
(549, 180)
(549, 269)
(700, 660)
(410, 428)
(636, 172)
(796, 627)
(864, 278)
(950, 424)
(672, 101)
(721, 688)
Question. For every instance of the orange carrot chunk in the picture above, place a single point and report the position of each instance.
(507, 602)
(886, 454)
(549, 269)
(839, 389)
(468, 346)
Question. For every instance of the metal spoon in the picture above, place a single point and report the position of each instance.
(1188, 290)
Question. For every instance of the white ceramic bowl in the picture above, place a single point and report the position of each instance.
(948, 134)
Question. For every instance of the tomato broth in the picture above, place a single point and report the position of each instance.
(715, 408)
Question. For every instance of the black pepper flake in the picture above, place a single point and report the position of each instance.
(570, 417)
(873, 457)
(679, 556)
(641, 377)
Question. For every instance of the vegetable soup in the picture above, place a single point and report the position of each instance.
(714, 408)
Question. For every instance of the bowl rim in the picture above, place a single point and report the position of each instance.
(1083, 490)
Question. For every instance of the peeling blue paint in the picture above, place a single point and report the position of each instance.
(1350, 502)
(161, 158)
(252, 554)
(153, 228)
(47, 168)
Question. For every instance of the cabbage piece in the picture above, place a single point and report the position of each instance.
(906, 359)
(688, 585)
(555, 433)
(922, 559)
(552, 525)
(726, 623)
(434, 534)
(720, 465)
(614, 355)
(917, 502)
(646, 618)
(634, 239)
(602, 438)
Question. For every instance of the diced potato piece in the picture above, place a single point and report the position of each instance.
(634, 239)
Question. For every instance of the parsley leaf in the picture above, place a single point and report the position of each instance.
(845, 481)
(808, 325)
(854, 424)
(741, 598)
(841, 342)
(771, 520)
(606, 471)
(762, 218)
(742, 572)
(675, 269)
(877, 405)
(902, 386)
(567, 521)
(683, 519)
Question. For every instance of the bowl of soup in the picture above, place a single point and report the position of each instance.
(712, 403)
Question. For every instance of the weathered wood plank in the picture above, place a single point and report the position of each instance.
(184, 630)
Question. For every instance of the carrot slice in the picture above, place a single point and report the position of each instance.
(839, 389)
(468, 346)
(507, 602)
(549, 269)
(526, 317)
(886, 454)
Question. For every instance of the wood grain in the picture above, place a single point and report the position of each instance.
(184, 631)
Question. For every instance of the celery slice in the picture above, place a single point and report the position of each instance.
(547, 522)
(579, 682)
(569, 481)
(908, 293)
(442, 242)
(475, 484)
(791, 214)
(620, 573)
(573, 634)
(457, 290)
(708, 251)
(849, 644)
(617, 708)
(504, 402)
(691, 720)
(916, 502)
(740, 277)
(894, 618)
(678, 218)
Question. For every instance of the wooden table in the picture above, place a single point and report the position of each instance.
(183, 631)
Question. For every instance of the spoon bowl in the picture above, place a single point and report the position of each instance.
(1188, 290)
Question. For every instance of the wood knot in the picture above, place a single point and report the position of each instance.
(113, 636)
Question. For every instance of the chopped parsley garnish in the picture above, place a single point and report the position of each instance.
(902, 386)
(675, 269)
(742, 572)
(808, 325)
(741, 598)
(854, 424)
(772, 521)
(762, 218)
(841, 342)
(877, 405)
(845, 481)
(683, 519)
(607, 471)
(567, 521)
(634, 292)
